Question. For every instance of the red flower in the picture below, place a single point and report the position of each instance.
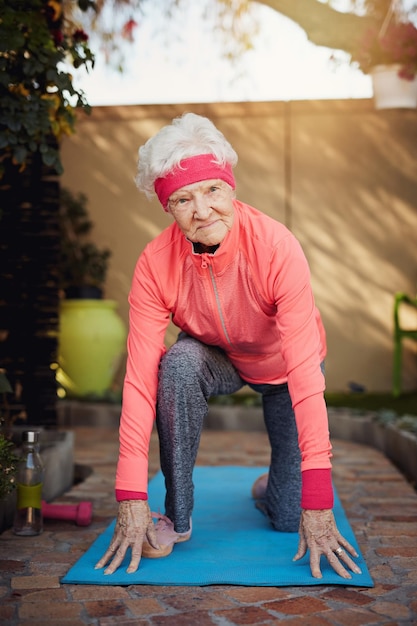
(79, 35)
(128, 28)
(58, 36)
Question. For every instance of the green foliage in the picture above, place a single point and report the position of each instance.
(408, 423)
(8, 460)
(81, 263)
(382, 402)
(38, 99)
(7, 416)
(4, 383)
(8, 466)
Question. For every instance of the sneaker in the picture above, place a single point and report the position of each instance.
(166, 536)
(259, 487)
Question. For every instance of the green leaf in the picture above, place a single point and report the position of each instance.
(5, 386)
(20, 153)
(14, 124)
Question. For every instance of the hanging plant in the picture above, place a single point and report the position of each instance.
(396, 46)
(38, 98)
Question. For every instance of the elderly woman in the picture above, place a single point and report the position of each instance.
(237, 285)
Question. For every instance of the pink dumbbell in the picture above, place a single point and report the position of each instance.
(80, 513)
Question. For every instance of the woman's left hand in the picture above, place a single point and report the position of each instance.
(319, 534)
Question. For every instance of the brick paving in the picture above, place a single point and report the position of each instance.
(381, 506)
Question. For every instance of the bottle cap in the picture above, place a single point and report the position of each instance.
(30, 436)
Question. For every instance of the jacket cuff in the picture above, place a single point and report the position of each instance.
(317, 489)
(121, 495)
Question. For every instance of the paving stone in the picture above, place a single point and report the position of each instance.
(398, 551)
(313, 620)
(195, 618)
(379, 590)
(105, 608)
(53, 569)
(347, 596)
(57, 611)
(6, 613)
(144, 606)
(148, 591)
(198, 599)
(11, 567)
(357, 617)
(412, 576)
(46, 595)
(402, 563)
(253, 595)
(51, 556)
(252, 615)
(382, 572)
(391, 609)
(381, 529)
(35, 582)
(80, 593)
(121, 621)
(51, 621)
(298, 606)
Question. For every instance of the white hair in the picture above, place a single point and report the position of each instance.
(188, 135)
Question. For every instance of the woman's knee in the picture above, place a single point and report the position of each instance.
(192, 363)
(184, 359)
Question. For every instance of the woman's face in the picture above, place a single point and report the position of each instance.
(204, 211)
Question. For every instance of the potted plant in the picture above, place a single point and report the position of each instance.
(389, 55)
(91, 334)
(83, 266)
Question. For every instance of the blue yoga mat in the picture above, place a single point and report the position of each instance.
(232, 542)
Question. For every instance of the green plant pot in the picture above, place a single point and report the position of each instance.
(92, 341)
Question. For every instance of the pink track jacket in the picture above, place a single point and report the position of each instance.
(253, 299)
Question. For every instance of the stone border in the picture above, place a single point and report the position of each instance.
(400, 446)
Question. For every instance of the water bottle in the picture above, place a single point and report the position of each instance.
(28, 516)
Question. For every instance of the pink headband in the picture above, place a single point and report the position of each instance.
(192, 170)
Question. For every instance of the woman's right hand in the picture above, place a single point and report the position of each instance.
(319, 533)
(134, 524)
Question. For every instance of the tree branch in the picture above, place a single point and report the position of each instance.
(323, 25)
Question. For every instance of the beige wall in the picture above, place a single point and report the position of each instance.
(341, 175)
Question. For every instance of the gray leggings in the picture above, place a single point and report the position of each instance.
(190, 373)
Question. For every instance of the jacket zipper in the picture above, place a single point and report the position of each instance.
(206, 264)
